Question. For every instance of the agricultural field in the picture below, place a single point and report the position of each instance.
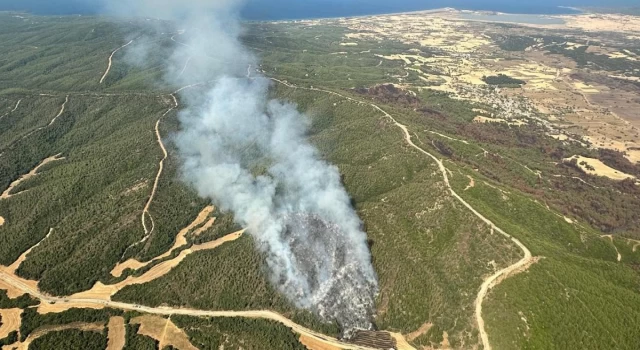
(495, 167)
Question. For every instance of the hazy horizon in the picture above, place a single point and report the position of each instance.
(296, 9)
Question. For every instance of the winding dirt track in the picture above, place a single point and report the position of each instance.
(40, 332)
(145, 211)
(16, 107)
(492, 280)
(7, 193)
(111, 60)
(30, 287)
(97, 299)
(168, 311)
(50, 123)
(13, 110)
(180, 241)
(185, 66)
(610, 237)
(66, 100)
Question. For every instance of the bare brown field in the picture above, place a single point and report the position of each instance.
(12, 291)
(313, 344)
(104, 292)
(9, 321)
(204, 227)
(116, 333)
(180, 241)
(164, 331)
(575, 102)
(46, 308)
(596, 167)
(401, 342)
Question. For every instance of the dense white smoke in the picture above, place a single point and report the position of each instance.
(249, 154)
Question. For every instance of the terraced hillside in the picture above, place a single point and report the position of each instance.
(483, 234)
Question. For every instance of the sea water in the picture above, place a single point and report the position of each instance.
(299, 9)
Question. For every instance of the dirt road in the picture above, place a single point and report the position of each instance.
(100, 297)
(66, 100)
(492, 280)
(180, 241)
(145, 211)
(610, 237)
(48, 125)
(111, 60)
(7, 193)
(186, 64)
(168, 311)
(16, 107)
(11, 111)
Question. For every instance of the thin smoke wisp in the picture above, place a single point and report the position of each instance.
(249, 154)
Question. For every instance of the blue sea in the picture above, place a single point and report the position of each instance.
(299, 9)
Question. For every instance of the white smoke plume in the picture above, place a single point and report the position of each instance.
(249, 155)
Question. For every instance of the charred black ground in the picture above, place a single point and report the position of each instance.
(340, 289)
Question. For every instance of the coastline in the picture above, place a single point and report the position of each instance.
(563, 10)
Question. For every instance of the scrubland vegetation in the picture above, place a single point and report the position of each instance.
(32, 320)
(71, 339)
(135, 341)
(236, 333)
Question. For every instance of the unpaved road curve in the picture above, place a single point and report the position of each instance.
(42, 331)
(492, 280)
(186, 64)
(168, 311)
(66, 100)
(16, 107)
(610, 237)
(145, 211)
(7, 193)
(111, 60)
(98, 301)
(13, 110)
